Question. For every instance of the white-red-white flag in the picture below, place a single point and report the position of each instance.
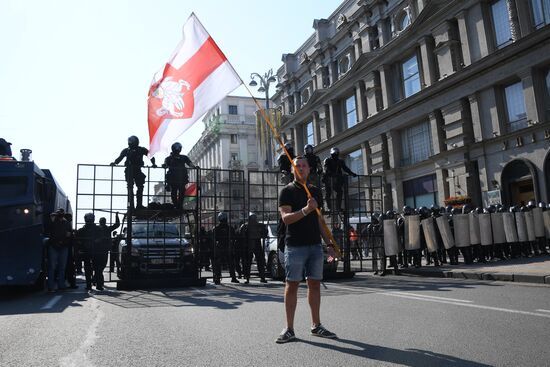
(194, 80)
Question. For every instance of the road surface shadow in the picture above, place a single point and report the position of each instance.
(407, 357)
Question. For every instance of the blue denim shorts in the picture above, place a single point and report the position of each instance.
(304, 262)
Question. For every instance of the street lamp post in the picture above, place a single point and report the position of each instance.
(264, 83)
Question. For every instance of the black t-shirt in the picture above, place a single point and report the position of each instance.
(306, 231)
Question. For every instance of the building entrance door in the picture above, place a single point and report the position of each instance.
(522, 191)
(518, 183)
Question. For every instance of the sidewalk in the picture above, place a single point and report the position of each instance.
(525, 270)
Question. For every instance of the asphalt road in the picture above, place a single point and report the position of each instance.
(390, 321)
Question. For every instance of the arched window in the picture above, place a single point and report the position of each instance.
(403, 20)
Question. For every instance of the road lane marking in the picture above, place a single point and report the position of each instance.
(541, 310)
(51, 303)
(79, 357)
(509, 310)
(433, 297)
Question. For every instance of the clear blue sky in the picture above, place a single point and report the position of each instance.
(74, 74)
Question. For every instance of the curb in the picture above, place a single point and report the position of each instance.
(473, 275)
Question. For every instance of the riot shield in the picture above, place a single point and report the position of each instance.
(475, 236)
(391, 241)
(445, 231)
(462, 230)
(521, 226)
(510, 227)
(539, 222)
(428, 228)
(497, 223)
(546, 217)
(412, 232)
(530, 224)
(485, 229)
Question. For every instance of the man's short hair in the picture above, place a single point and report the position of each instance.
(300, 157)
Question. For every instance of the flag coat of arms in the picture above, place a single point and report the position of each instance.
(196, 77)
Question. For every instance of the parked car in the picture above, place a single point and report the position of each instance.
(157, 247)
(275, 259)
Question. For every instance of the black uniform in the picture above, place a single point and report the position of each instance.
(334, 179)
(224, 237)
(90, 242)
(315, 169)
(177, 176)
(132, 172)
(285, 167)
(5, 148)
(252, 234)
(108, 243)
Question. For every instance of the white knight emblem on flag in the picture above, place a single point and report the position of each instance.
(171, 93)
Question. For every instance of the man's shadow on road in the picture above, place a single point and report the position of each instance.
(409, 357)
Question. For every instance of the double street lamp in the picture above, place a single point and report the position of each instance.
(264, 82)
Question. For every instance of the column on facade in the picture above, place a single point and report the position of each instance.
(365, 155)
(441, 176)
(533, 102)
(393, 149)
(386, 85)
(480, 43)
(464, 39)
(476, 118)
(428, 62)
(360, 99)
(436, 129)
(445, 51)
(333, 120)
(316, 127)
(372, 91)
(226, 155)
(357, 47)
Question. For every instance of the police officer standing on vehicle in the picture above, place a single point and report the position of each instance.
(253, 233)
(224, 237)
(89, 240)
(177, 176)
(334, 179)
(134, 161)
(284, 164)
(316, 169)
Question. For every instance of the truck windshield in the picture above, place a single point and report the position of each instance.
(11, 187)
(155, 230)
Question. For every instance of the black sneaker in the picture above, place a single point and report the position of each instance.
(320, 331)
(286, 336)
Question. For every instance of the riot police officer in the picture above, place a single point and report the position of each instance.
(177, 176)
(224, 236)
(5, 148)
(316, 169)
(334, 179)
(285, 167)
(253, 232)
(89, 240)
(134, 161)
(375, 238)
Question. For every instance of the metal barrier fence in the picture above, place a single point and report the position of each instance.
(168, 237)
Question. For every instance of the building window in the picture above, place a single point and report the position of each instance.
(374, 38)
(403, 20)
(416, 142)
(234, 156)
(420, 192)
(541, 12)
(515, 106)
(355, 162)
(234, 139)
(309, 133)
(351, 114)
(501, 23)
(411, 76)
(305, 95)
(233, 110)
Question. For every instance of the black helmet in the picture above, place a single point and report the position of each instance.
(501, 209)
(492, 209)
(435, 210)
(103, 220)
(289, 146)
(532, 204)
(466, 208)
(252, 217)
(133, 141)
(478, 210)
(542, 204)
(334, 152)
(176, 148)
(89, 217)
(374, 218)
(222, 217)
(308, 149)
(455, 211)
(407, 210)
(524, 209)
(513, 209)
(425, 212)
(448, 209)
(390, 214)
